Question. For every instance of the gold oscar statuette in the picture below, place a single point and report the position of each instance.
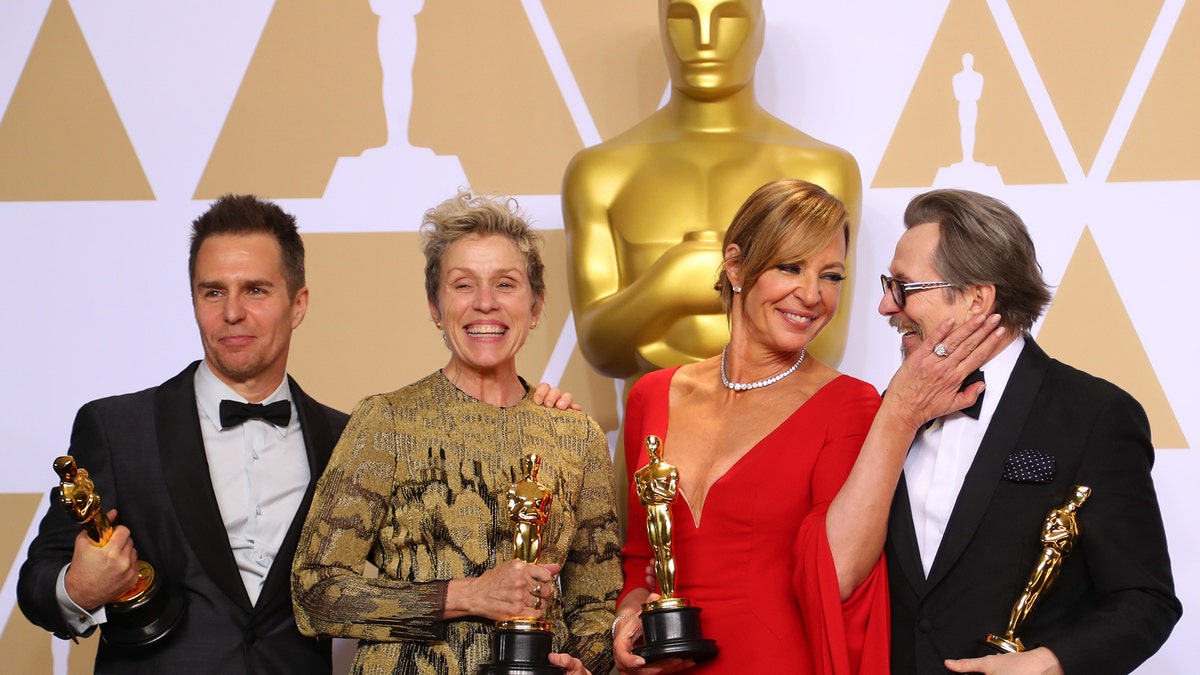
(1060, 531)
(671, 624)
(144, 613)
(521, 645)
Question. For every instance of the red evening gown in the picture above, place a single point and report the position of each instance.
(759, 563)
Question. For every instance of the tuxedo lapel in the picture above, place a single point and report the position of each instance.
(903, 538)
(998, 442)
(318, 444)
(188, 482)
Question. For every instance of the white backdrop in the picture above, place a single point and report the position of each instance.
(96, 302)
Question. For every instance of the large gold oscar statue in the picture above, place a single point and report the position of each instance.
(645, 212)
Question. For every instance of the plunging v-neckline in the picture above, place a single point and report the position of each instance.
(739, 461)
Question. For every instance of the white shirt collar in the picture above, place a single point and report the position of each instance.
(996, 373)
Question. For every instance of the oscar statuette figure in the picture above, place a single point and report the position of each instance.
(1060, 531)
(671, 624)
(144, 613)
(521, 645)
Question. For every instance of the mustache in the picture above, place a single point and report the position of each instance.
(902, 325)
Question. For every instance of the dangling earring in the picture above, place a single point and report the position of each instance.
(737, 289)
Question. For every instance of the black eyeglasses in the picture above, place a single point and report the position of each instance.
(899, 289)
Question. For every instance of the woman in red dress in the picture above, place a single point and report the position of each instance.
(786, 468)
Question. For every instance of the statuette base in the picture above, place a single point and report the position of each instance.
(998, 644)
(149, 615)
(520, 651)
(674, 632)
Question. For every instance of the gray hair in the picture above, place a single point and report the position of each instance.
(983, 241)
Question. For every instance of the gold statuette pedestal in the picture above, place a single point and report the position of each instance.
(146, 612)
(671, 625)
(1059, 534)
(521, 645)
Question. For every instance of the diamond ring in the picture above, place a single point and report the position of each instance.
(940, 350)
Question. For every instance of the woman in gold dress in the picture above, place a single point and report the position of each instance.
(416, 485)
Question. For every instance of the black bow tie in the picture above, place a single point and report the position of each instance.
(234, 413)
(972, 410)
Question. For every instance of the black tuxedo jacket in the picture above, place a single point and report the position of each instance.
(1113, 604)
(145, 453)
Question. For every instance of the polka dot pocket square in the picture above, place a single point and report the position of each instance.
(1029, 466)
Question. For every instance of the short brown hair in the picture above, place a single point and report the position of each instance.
(247, 214)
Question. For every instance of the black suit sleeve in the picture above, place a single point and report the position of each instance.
(1125, 548)
(51, 549)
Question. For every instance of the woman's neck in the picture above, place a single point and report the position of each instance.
(499, 386)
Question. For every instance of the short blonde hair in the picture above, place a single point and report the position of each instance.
(466, 214)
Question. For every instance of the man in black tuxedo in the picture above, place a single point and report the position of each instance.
(966, 523)
(214, 501)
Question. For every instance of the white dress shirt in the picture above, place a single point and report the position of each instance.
(259, 474)
(941, 455)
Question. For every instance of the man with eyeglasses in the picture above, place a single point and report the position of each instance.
(965, 524)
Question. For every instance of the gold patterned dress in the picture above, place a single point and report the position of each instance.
(416, 487)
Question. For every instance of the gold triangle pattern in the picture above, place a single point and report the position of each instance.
(1085, 65)
(1008, 134)
(1087, 302)
(310, 95)
(489, 49)
(1162, 143)
(61, 137)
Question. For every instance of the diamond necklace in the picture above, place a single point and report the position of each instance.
(745, 386)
